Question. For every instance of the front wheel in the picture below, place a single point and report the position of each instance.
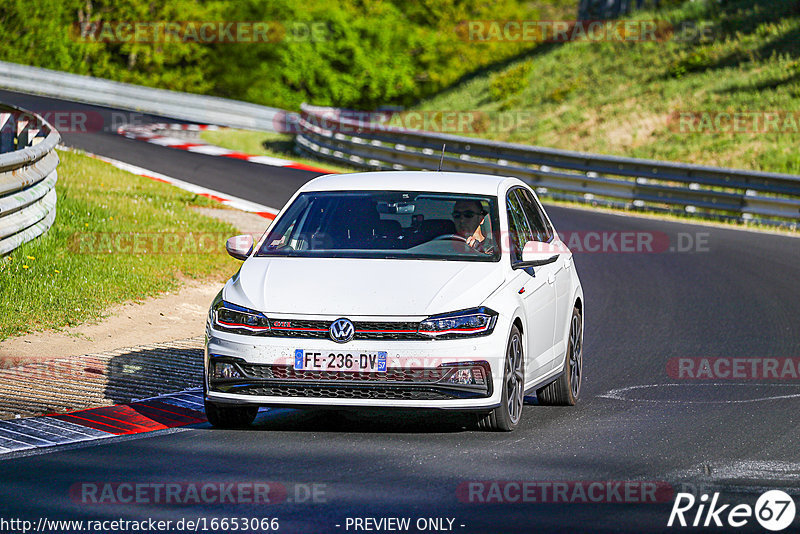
(230, 416)
(565, 390)
(506, 417)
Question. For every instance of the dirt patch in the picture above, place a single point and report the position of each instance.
(117, 376)
(247, 223)
(636, 130)
(179, 314)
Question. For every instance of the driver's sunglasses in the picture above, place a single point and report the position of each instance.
(466, 214)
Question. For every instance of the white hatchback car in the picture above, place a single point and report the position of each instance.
(399, 289)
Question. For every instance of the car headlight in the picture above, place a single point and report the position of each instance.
(230, 317)
(472, 322)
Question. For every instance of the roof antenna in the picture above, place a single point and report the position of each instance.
(442, 158)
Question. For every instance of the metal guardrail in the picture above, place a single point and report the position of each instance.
(621, 182)
(330, 134)
(28, 177)
(117, 95)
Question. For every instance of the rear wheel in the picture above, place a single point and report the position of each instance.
(505, 417)
(230, 416)
(565, 390)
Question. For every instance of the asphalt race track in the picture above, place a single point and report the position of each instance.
(735, 294)
(238, 178)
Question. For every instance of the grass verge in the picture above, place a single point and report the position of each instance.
(117, 237)
(275, 145)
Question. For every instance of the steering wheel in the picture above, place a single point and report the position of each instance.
(454, 237)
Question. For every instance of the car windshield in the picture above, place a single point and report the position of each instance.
(387, 224)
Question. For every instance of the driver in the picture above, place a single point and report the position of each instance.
(468, 215)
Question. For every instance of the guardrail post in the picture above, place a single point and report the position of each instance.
(35, 128)
(23, 132)
(8, 131)
(41, 134)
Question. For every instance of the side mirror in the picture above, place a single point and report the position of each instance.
(536, 254)
(239, 246)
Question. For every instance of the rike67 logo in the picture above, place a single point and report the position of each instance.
(774, 510)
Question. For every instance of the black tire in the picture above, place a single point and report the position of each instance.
(566, 390)
(507, 416)
(230, 416)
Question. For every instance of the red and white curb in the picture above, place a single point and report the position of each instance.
(237, 203)
(150, 133)
(174, 410)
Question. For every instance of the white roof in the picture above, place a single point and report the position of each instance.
(445, 182)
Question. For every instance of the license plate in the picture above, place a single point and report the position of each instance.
(365, 362)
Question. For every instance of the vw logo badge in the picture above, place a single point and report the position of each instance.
(342, 330)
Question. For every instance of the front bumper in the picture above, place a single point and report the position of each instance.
(416, 376)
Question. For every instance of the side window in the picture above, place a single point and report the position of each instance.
(519, 230)
(538, 222)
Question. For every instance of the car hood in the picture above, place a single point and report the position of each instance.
(361, 287)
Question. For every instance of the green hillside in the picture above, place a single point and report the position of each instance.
(627, 98)
(349, 53)
(712, 57)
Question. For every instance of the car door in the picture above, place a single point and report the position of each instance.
(561, 270)
(558, 272)
(536, 285)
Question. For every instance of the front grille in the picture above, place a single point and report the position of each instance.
(285, 372)
(302, 329)
(345, 393)
(387, 331)
(257, 371)
(422, 383)
(364, 330)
